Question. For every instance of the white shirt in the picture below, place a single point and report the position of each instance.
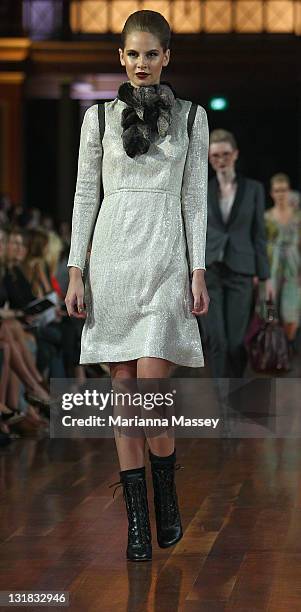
(227, 193)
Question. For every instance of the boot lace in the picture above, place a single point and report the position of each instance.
(137, 510)
(168, 494)
(118, 483)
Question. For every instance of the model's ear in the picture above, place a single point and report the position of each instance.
(166, 57)
(121, 57)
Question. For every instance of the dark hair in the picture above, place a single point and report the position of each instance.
(147, 21)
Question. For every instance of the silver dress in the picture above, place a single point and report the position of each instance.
(138, 291)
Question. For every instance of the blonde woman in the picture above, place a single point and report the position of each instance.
(283, 228)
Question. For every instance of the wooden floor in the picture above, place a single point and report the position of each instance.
(240, 500)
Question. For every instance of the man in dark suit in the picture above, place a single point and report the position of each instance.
(236, 257)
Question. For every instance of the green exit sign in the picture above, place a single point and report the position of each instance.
(218, 103)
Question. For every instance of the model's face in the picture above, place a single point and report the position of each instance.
(143, 53)
(222, 156)
(280, 193)
(14, 247)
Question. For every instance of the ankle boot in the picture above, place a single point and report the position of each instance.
(168, 520)
(139, 547)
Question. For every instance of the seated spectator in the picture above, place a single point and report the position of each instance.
(47, 223)
(18, 364)
(65, 233)
(52, 256)
(20, 293)
(34, 262)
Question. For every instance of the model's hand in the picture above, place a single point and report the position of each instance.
(74, 299)
(270, 295)
(200, 294)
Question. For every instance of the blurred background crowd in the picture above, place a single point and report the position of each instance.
(36, 347)
(33, 347)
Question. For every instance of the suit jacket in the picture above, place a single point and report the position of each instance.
(241, 242)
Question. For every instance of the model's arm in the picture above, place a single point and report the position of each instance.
(86, 205)
(194, 191)
(87, 193)
(259, 236)
(194, 208)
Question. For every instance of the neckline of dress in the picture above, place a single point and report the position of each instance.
(291, 220)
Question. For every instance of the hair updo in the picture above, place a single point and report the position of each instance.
(147, 21)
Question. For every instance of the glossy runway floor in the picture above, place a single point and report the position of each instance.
(240, 499)
(241, 508)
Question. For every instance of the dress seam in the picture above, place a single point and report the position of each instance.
(142, 189)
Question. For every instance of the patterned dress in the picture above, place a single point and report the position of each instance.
(283, 247)
(138, 293)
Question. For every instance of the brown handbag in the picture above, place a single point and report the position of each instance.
(266, 343)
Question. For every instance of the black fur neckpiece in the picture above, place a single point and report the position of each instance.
(148, 112)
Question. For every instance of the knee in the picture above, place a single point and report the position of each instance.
(123, 370)
(154, 367)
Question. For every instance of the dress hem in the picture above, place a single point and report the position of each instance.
(86, 360)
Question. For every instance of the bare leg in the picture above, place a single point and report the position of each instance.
(13, 391)
(21, 337)
(14, 397)
(131, 450)
(5, 371)
(80, 373)
(153, 367)
(19, 367)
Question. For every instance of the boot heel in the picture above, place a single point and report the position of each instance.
(139, 547)
(168, 519)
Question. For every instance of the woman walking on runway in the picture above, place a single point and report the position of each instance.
(143, 289)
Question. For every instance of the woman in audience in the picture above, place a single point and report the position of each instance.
(20, 292)
(34, 262)
(18, 362)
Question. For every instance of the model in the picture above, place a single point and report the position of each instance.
(144, 287)
(283, 229)
(236, 257)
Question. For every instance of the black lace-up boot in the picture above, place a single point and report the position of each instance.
(168, 520)
(139, 546)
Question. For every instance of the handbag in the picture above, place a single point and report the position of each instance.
(266, 342)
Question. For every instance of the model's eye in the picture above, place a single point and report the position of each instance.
(134, 53)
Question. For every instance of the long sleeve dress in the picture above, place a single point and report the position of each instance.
(284, 252)
(149, 236)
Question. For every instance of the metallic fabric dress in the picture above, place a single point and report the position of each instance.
(149, 236)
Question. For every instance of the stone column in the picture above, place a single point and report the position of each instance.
(67, 153)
